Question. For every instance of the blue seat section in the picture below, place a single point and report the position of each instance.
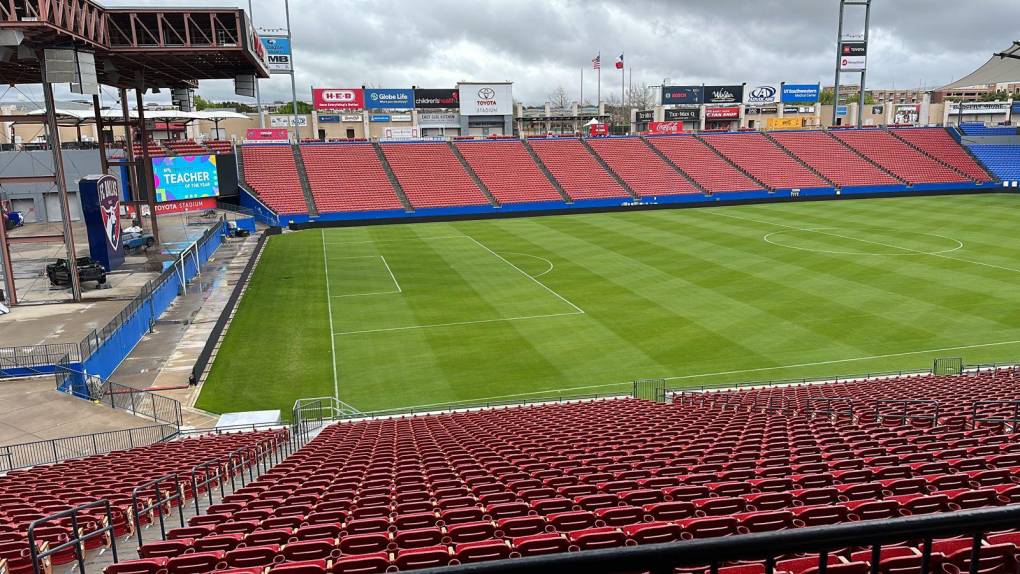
(980, 129)
(1002, 160)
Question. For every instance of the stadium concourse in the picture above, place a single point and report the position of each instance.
(514, 483)
(356, 179)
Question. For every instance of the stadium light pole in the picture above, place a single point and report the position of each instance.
(258, 95)
(864, 72)
(293, 71)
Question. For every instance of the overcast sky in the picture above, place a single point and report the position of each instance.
(540, 44)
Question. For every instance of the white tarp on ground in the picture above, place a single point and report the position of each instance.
(249, 418)
(996, 70)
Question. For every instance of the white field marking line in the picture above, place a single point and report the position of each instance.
(610, 385)
(329, 307)
(971, 261)
(458, 323)
(543, 285)
(551, 266)
(851, 360)
(399, 290)
(342, 243)
(765, 238)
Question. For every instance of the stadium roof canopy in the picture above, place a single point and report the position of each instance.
(134, 47)
(1000, 68)
(149, 114)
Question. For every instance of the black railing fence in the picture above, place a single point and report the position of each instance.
(66, 448)
(767, 547)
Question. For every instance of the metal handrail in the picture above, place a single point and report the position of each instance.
(765, 547)
(78, 541)
(160, 503)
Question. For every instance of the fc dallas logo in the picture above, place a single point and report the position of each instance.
(109, 208)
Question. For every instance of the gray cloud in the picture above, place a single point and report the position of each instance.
(540, 44)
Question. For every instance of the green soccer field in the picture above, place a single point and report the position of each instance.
(421, 314)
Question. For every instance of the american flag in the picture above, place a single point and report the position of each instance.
(596, 62)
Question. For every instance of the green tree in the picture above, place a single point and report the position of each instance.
(998, 96)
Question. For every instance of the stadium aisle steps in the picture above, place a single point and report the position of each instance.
(474, 176)
(435, 490)
(608, 168)
(733, 164)
(271, 173)
(306, 187)
(837, 161)
(576, 169)
(348, 177)
(672, 165)
(937, 144)
(756, 156)
(508, 170)
(703, 164)
(431, 176)
(797, 159)
(392, 177)
(37, 492)
(646, 173)
(545, 171)
(1002, 160)
(897, 157)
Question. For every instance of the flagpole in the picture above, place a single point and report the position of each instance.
(598, 92)
(623, 81)
(580, 102)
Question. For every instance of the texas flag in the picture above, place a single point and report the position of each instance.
(619, 62)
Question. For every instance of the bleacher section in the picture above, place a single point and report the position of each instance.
(348, 177)
(937, 143)
(831, 159)
(980, 129)
(702, 164)
(34, 493)
(643, 171)
(405, 493)
(273, 175)
(756, 155)
(431, 175)
(219, 146)
(155, 150)
(186, 147)
(579, 174)
(896, 156)
(1002, 160)
(505, 167)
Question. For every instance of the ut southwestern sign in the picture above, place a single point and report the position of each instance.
(277, 50)
(800, 93)
(389, 99)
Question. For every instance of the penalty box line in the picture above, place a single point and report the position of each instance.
(458, 323)
(388, 270)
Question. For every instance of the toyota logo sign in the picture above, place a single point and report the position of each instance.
(486, 93)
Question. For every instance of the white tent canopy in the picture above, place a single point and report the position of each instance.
(592, 122)
(997, 70)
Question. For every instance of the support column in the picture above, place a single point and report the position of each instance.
(100, 128)
(144, 174)
(5, 260)
(53, 139)
(129, 157)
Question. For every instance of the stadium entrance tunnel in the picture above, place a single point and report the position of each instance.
(863, 241)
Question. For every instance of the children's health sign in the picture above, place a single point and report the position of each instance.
(185, 177)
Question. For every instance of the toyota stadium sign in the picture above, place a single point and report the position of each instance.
(338, 98)
(486, 99)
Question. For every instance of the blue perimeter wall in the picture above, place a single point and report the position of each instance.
(105, 359)
(623, 202)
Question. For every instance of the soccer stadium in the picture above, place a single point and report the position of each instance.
(704, 325)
